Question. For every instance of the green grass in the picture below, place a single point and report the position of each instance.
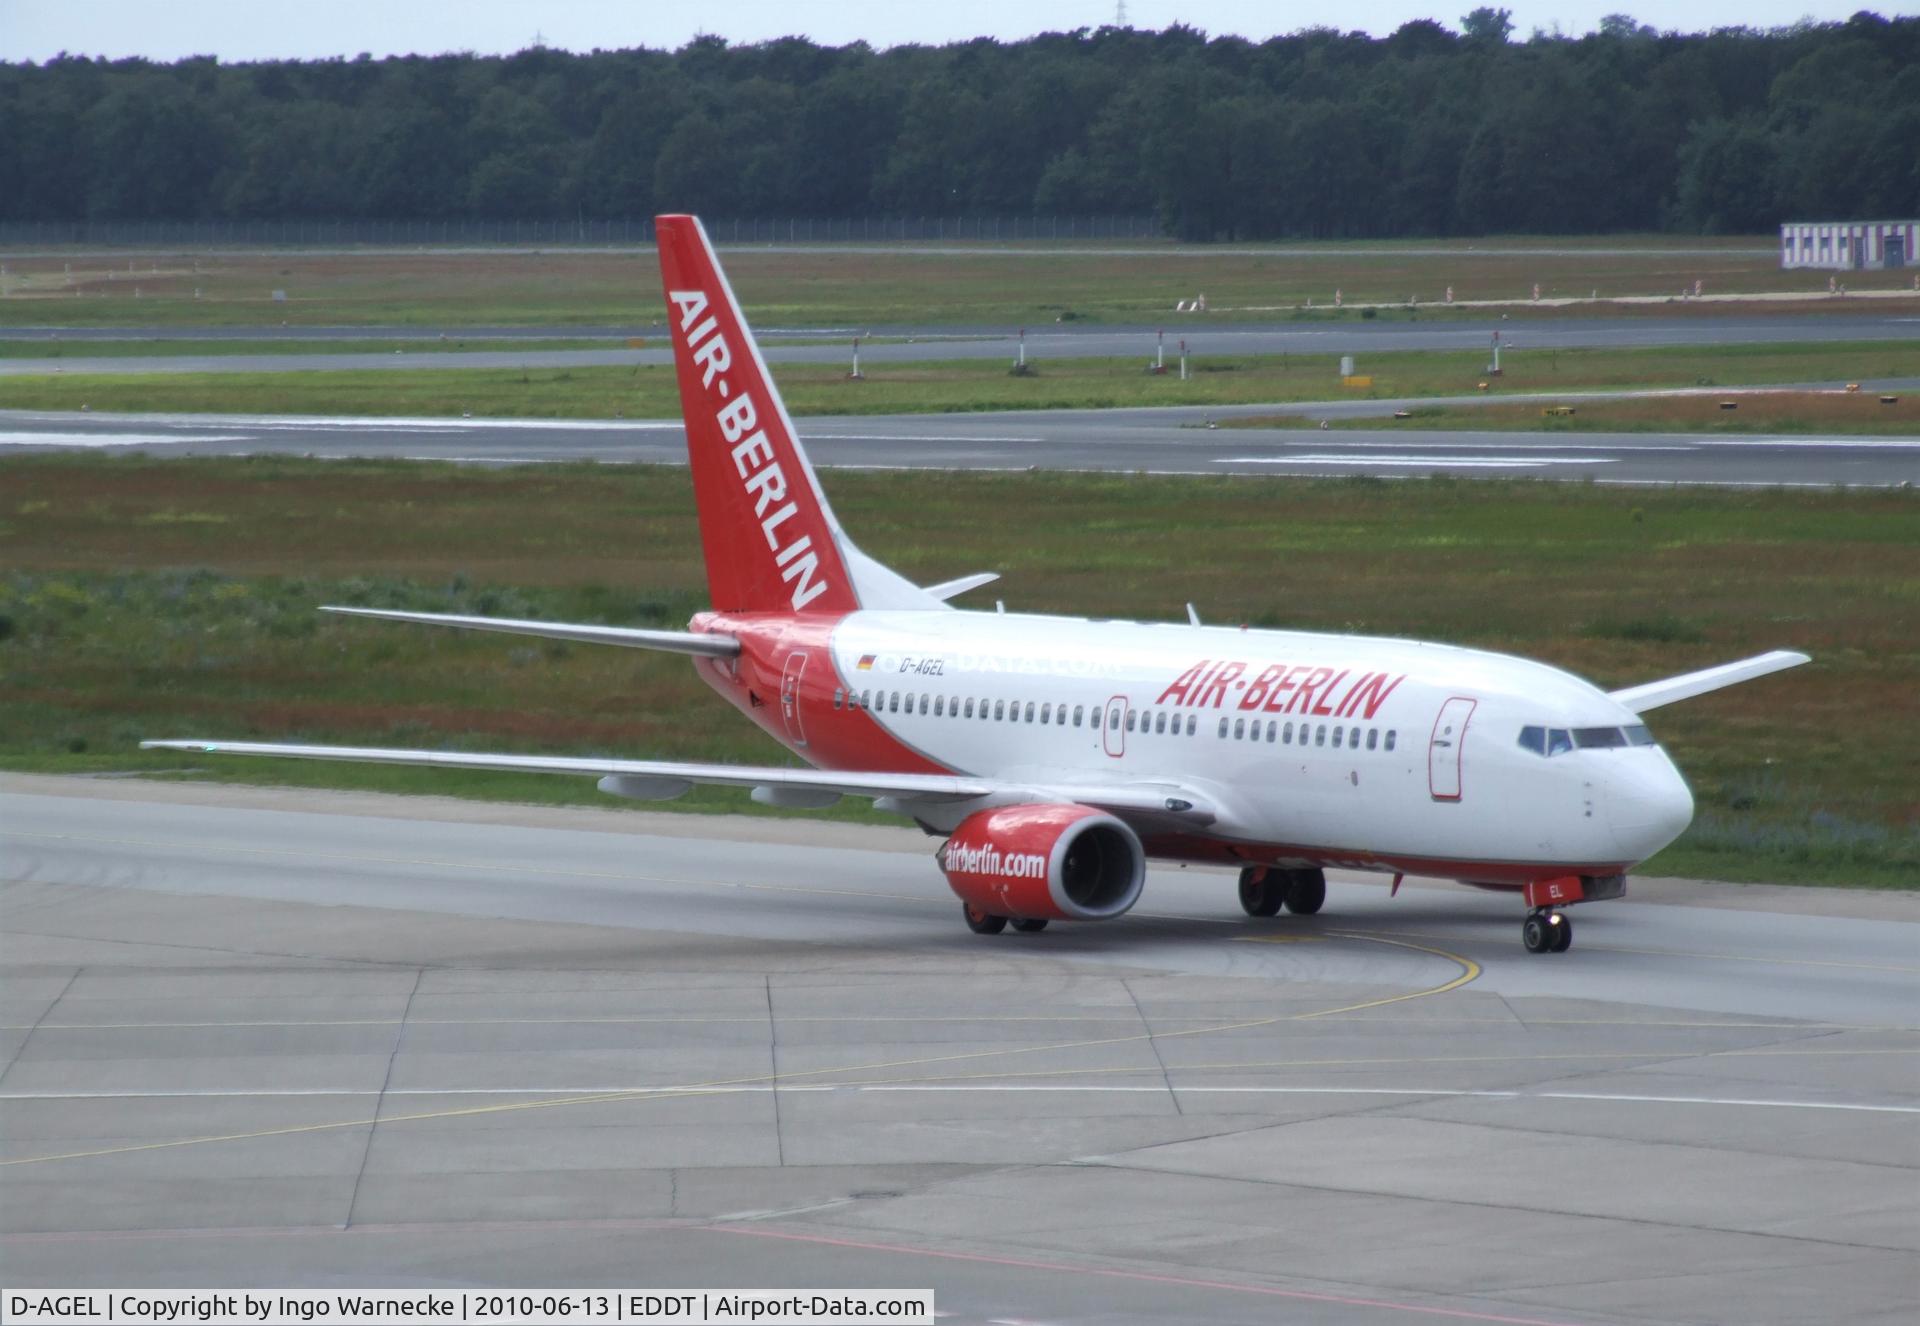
(147, 598)
(946, 285)
(152, 348)
(951, 386)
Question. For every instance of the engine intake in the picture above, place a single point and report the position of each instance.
(1056, 863)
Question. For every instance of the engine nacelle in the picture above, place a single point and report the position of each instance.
(1055, 863)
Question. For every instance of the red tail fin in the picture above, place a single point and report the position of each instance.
(769, 537)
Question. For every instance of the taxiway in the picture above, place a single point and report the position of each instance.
(272, 1037)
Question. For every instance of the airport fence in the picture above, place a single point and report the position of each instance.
(450, 232)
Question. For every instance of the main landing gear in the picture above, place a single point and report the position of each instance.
(1264, 890)
(1547, 931)
(983, 922)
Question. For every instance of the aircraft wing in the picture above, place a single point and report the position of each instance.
(1653, 694)
(663, 779)
(678, 642)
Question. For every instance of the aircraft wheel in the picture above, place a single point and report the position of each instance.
(1535, 935)
(1029, 925)
(982, 922)
(1308, 892)
(1262, 890)
(1562, 934)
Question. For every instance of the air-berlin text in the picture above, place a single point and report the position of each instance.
(753, 455)
(1280, 689)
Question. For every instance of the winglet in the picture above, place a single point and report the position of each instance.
(1653, 694)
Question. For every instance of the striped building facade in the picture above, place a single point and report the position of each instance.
(1850, 244)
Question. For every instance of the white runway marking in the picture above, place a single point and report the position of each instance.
(976, 1088)
(1451, 462)
(53, 439)
(917, 437)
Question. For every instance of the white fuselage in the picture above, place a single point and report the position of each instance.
(1348, 748)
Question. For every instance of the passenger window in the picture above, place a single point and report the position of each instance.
(1239, 728)
(1046, 714)
(1559, 742)
(1390, 739)
(1273, 731)
(999, 710)
(1131, 715)
(1160, 722)
(893, 706)
(1534, 739)
(1373, 738)
(1113, 719)
(1336, 738)
(923, 705)
(866, 698)
(1286, 735)
(839, 696)
(1193, 724)
(1078, 710)
(1353, 738)
(1223, 727)
(1029, 711)
(939, 706)
(1320, 736)
(969, 712)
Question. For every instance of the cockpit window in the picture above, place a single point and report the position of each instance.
(1598, 738)
(1551, 741)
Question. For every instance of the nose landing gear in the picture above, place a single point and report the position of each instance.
(1547, 931)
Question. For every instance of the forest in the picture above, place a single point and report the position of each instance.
(1433, 130)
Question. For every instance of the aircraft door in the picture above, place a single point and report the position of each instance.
(1115, 735)
(790, 696)
(1444, 750)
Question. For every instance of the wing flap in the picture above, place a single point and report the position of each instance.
(656, 778)
(1653, 694)
(676, 642)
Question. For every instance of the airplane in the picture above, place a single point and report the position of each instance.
(1055, 756)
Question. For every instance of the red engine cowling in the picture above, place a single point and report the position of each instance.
(1056, 863)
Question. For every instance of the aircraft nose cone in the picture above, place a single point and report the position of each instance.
(1649, 806)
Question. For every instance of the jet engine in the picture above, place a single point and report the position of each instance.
(1044, 863)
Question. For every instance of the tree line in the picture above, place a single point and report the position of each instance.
(1319, 134)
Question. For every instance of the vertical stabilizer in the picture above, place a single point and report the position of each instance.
(770, 539)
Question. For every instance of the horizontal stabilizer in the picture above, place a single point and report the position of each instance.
(674, 642)
(656, 779)
(953, 589)
(1656, 693)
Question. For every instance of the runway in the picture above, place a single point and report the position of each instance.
(1175, 440)
(896, 344)
(257, 1037)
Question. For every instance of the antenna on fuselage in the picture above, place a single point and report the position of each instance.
(1193, 615)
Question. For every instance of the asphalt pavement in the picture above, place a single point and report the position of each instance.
(257, 1037)
(1173, 440)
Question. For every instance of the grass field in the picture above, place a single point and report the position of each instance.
(959, 385)
(831, 286)
(1762, 411)
(149, 598)
(43, 348)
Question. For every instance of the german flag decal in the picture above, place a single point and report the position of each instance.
(866, 663)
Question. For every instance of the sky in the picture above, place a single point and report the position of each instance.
(236, 30)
